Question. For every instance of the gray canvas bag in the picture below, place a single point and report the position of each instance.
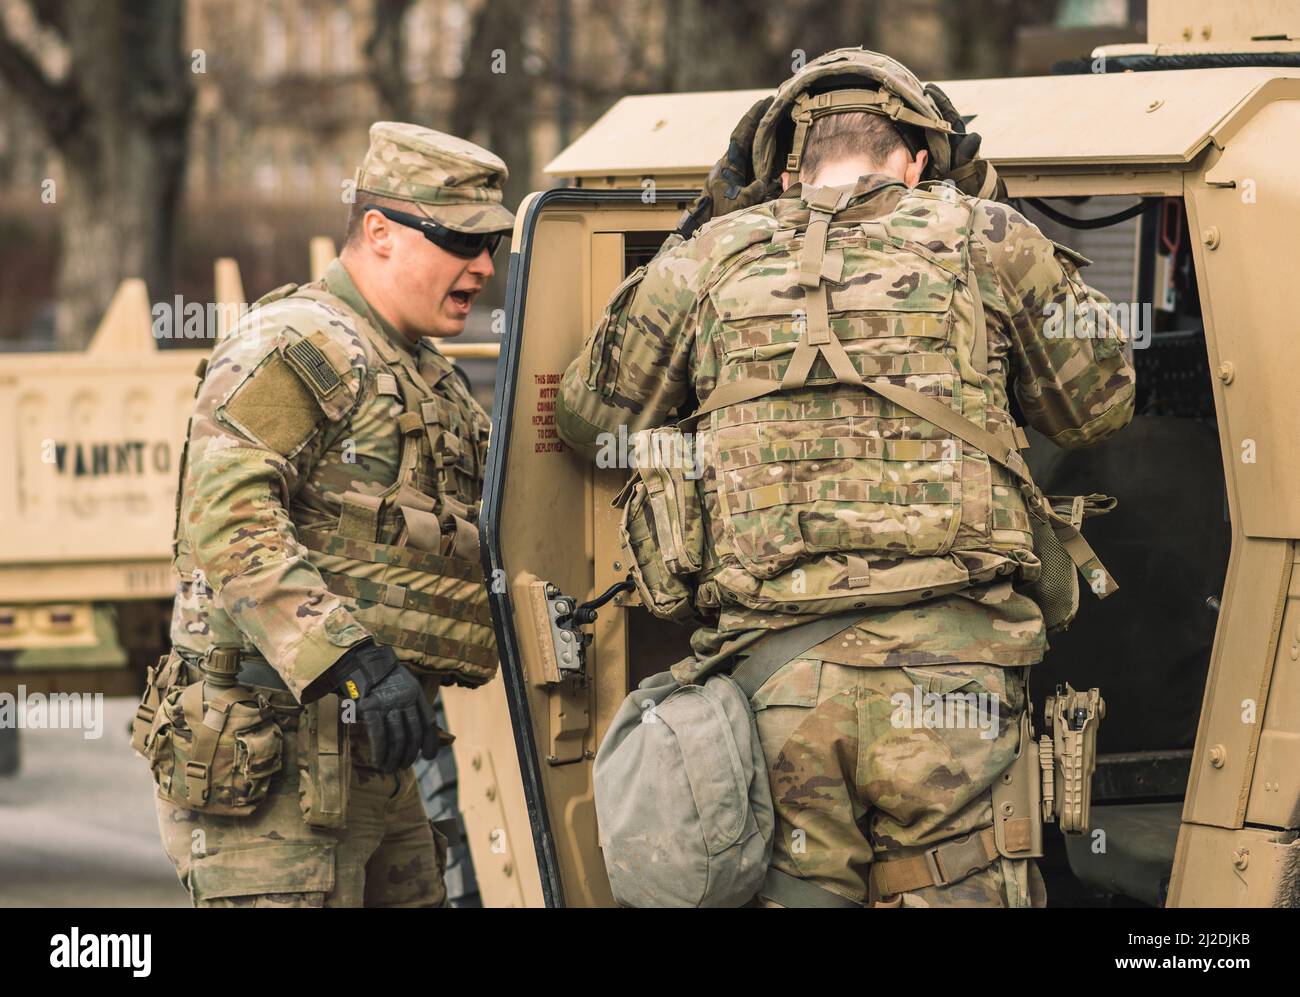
(681, 785)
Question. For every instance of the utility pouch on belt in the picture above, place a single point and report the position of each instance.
(159, 678)
(214, 745)
(324, 764)
(662, 528)
(1051, 777)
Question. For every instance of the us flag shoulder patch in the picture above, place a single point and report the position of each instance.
(312, 364)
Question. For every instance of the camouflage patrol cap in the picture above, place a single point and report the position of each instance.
(905, 100)
(454, 182)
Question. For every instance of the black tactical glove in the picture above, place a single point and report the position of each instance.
(971, 174)
(391, 704)
(731, 184)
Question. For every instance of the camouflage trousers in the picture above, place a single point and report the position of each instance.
(388, 855)
(869, 764)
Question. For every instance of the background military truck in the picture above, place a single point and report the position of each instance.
(1181, 182)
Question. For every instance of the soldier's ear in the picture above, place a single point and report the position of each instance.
(915, 169)
(785, 179)
(378, 233)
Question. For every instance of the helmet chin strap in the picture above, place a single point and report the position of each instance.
(809, 107)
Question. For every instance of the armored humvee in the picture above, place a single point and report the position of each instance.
(1171, 163)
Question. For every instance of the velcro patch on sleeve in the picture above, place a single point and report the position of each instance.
(275, 407)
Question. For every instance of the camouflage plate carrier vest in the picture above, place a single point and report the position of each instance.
(836, 479)
(405, 561)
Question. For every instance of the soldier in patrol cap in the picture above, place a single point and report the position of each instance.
(839, 330)
(326, 556)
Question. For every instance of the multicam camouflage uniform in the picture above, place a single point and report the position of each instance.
(852, 789)
(326, 431)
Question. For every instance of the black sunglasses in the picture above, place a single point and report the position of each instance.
(464, 244)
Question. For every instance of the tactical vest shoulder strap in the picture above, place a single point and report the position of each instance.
(275, 294)
(390, 354)
(361, 515)
(980, 354)
(823, 203)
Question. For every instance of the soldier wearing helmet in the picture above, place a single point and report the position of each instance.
(839, 330)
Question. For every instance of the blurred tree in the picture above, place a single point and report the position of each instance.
(730, 44)
(495, 93)
(718, 44)
(385, 59)
(118, 115)
(982, 33)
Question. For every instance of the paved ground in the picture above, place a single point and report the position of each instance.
(77, 824)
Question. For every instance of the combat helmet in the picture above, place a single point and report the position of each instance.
(846, 79)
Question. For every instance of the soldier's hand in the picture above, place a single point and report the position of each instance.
(731, 184)
(971, 174)
(391, 704)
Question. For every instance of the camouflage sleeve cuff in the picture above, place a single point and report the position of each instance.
(577, 432)
(328, 680)
(307, 673)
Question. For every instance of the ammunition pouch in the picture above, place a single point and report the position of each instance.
(662, 526)
(213, 747)
(158, 679)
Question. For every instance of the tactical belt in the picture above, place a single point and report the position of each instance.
(941, 865)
